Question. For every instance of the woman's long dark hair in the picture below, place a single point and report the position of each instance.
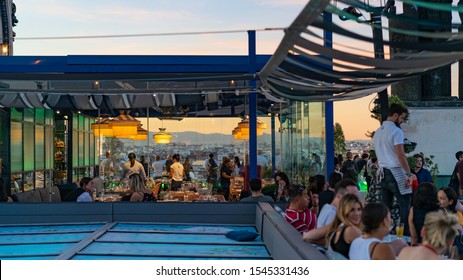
(237, 161)
(425, 197)
(451, 195)
(283, 177)
(373, 215)
(132, 156)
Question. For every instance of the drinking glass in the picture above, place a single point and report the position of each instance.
(399, 230)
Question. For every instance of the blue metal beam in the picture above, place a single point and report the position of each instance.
(129, 64)
(329, 110)
(252, 106)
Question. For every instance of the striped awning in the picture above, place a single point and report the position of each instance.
(306, 67)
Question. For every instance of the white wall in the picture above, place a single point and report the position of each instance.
(438, 132)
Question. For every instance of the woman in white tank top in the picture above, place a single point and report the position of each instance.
(376, 220)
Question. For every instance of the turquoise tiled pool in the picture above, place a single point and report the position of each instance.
(109, 241)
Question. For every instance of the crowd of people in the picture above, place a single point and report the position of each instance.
(347, 226)
(334, 214)
(136, 176)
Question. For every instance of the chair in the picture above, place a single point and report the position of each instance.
(29, 196)
(66, 189)
(50, 194)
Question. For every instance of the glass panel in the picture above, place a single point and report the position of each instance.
(16, 147)
(49, 117)
(48, 178)
(75, 148)
(40, 116)
(39, 147)
(78, 174)
(16, 183)
(75, 121)
(29, 134)
(49, 147)
(28, 182)
(87, 124)
(303, 140)
(29, 115)
(317, 136)
(81, 122)
(16, 115)
(92, 149)
(87, 148)
(40, 180)
(81, 148)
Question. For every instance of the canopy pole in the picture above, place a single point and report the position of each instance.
(252, 106)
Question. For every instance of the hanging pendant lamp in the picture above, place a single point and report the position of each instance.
(237, 135)
(142, 134)
(241, 132)
(162, 137)
(102, 127)
(124, 125)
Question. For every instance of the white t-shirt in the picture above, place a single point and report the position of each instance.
(386, 137)
(177, 174)
(158, 167)
(84, 197)
(326, 216)
(136, 168)
(105, 167)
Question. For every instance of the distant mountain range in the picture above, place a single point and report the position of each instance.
(191, 137)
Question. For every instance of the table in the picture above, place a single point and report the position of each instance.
(109, 198)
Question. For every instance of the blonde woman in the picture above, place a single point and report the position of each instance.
(438, 232)
(139, 191)
(346, 227)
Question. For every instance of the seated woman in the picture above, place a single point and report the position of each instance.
(282, 191)
(377, 222)
(346, 227)
(424, 201)
(438, 232)
(139, 191)
(82, 194)
(448, 200)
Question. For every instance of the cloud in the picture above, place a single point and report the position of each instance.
(83, 13)
(279, 3)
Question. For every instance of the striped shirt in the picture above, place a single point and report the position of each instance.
(303, 220)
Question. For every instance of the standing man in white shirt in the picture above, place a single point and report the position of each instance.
(107, 167)
(395, 173)
(158, 167)
(177, 172)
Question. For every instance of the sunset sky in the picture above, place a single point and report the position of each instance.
(59, 18)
